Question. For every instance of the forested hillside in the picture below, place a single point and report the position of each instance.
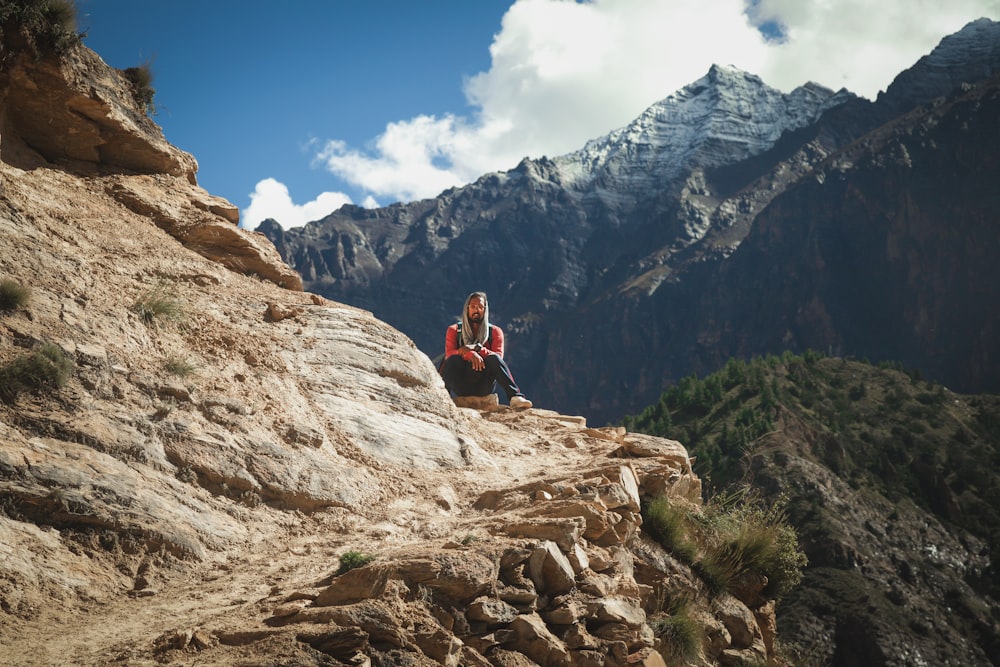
(892, 483)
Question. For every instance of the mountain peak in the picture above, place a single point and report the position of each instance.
(725, 116)
(729, 75)
(968, 55)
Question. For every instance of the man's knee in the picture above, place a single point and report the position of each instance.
(452, 365)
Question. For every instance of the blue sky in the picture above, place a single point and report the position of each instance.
(297, 107)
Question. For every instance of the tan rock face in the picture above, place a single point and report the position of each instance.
(79, 113)
(204, 224)
(186, 495)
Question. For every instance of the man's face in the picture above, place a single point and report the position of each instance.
(477, 308)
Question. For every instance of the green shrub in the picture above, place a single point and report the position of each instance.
(668, 524)
(353, 559)
(740, 550)
(733, 536)
(753, 549)
(42, 27)
(154, 305)
(679, 632)
(13, 294)
(719, 570)
(752, 536)
(46, 367)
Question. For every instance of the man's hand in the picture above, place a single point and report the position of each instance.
(475, 359)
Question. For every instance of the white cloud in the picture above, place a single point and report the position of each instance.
(861, 45)
(270, 199)
(411, 159)
(565, 71)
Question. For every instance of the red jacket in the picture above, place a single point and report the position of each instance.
(494, 343)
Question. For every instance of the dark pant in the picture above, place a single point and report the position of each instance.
(462, 380)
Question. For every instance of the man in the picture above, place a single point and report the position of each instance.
(473, 355)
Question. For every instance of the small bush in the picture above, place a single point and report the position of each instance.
(679, 632)
(350, 560)
(154, 306)
(180, 366)
(753, 536)
(13, 294)
(732, 536)
(721, 567)
(46, 367)
(140, 81)
(667, 523)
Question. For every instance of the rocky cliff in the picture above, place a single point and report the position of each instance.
(887, 250)
(79, 115)
(201, 462)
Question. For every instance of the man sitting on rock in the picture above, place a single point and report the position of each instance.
(473, 355)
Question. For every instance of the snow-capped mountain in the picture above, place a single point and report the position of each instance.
(726, 116)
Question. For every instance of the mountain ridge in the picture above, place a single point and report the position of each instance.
(701, 125)
(552, 259)
(966, 56)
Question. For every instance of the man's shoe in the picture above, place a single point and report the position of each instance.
(519, 402)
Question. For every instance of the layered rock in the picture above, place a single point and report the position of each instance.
(219, 442)
(575, 586)
(77, 113)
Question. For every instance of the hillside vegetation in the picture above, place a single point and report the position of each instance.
(859, 450)
(38, 26)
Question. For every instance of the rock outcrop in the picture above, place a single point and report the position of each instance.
(78, 114)
(220, 442)
(545, 570)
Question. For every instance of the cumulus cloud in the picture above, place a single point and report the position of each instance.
(271, 199)
(565, 71)
(412, 158)
(860, 45)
